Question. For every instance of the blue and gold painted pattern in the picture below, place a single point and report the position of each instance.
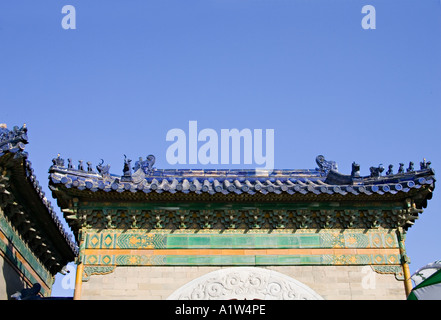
(184, 248)
(139, 239)
(264, 259)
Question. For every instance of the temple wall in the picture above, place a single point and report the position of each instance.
(336, 264)
(156, 282)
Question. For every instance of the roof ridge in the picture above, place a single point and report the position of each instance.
(325, 179)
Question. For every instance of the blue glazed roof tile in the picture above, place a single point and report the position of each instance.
(323, 180)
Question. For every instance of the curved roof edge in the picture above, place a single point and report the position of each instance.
(24, 185)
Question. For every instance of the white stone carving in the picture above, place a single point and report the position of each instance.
(244, 283)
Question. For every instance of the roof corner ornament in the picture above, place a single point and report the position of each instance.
(58, 161)
(16, 134)
(324, 165)
(410, 168)
(376, 171)
(401, 168)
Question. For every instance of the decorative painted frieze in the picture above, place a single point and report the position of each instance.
(242, 257)
(390, 269)
(96, 270)
(242, 219)
(188, 239)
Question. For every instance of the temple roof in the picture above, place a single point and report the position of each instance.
(143, 181)
(25, 205)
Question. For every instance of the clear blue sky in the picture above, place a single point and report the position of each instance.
(132, 70)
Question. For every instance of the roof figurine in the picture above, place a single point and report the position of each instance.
(425, 165)
(376, 171)
(355, 170)
(58, 161)
(103, 170)
(14, 140)
(145, 165)
(390, 170)
(16, 134)
(324, 165)
(127, 170)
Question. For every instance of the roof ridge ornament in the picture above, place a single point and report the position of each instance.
(325, 165)
(145, 165)
(127, 170)
(376, 171)
(390, 170)
(58, 161)
(355, 173)
(103, 170)
(425, 165)
(141, 168)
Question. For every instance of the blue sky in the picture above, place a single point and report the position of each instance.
(131, 71)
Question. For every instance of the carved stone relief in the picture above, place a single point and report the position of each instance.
(244, 283)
